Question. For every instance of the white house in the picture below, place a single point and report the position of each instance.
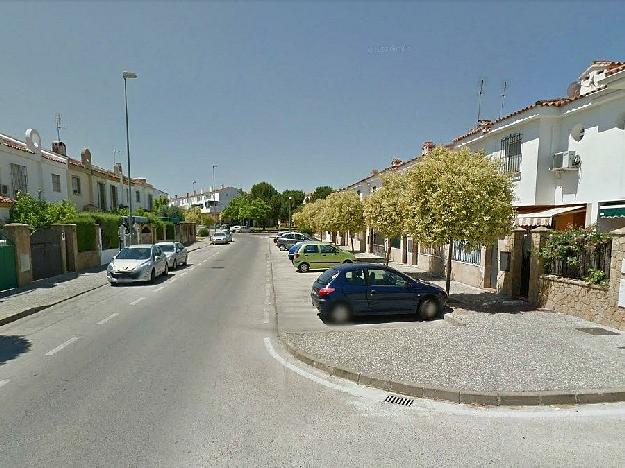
(567, 154)
(21, 170)
(208, 200)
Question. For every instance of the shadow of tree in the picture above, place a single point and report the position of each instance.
(11, 346)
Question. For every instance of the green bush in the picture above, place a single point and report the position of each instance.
(85, 232)
(203, 232)
(39, 214)
(109, 225)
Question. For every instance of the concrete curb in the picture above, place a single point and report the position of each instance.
(543, 398)
(34, 310)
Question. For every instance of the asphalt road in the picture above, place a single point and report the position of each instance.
(188, 372)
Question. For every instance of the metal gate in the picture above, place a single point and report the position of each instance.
(46, 258)
(525, 265)
(8, 275)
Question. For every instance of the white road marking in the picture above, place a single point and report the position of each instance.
(159, 289)
(61, 346)
(103, 321)
(135, 302)
(4, 382)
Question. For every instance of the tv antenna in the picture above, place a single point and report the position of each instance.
(503, 98)
(479, 99)
(59, 127)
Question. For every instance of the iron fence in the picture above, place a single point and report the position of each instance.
(461, 254)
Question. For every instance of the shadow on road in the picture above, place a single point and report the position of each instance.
(11, 346)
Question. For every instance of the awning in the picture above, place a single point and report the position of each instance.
(612, 211)
(545, 217)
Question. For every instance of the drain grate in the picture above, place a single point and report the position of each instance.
(596, 331)
(397, 400)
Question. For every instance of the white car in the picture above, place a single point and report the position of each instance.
(137, 263)
(175, 252)
(220, 237)
(235, 229)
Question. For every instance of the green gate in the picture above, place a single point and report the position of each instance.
(8, 277)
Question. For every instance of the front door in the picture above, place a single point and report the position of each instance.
(355, 289)
(328, 254)
(310, 255)
(388, 292)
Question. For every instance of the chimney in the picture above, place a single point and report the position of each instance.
(85, 157)
(396, 162)
(58, 147)
(426, 147)
(117, 169)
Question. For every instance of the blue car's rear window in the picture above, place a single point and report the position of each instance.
(327, 276)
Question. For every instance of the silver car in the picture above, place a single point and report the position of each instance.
(137, 263)
(219, 237)
(175, 252)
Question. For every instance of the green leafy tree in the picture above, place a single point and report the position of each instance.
(260, 211)
(193, 215)
(38, 213)
(344, 213)
(384, 210)
(311, 217)
(457, 195)
(236, 209)
(263, 190)
(321, 192)
(297, 199)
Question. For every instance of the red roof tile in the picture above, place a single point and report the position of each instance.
(6, 200)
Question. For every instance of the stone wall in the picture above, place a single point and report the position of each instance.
(87, 260)
(576, 297)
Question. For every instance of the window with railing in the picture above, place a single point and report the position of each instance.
(511, 153)
(460, 253)
(19, 178)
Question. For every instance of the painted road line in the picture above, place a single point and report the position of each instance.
(112, 316)
(61, 346)
(159, 289)
(4, 382)
(135, 302)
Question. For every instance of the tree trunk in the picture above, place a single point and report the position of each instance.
(448, 279)
(352, 239)
(388, 252)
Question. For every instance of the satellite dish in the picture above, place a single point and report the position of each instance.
(33, 140)
(573, 90)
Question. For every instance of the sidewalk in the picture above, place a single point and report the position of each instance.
(523, 358)
(42, 294)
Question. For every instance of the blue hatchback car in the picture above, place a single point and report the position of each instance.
(350, 290)
(293, 250)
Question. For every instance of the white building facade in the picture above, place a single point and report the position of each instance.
(208, 200)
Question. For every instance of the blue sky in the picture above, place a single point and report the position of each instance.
(298, 94)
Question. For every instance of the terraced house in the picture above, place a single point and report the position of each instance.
(55, 176)
(567, 157)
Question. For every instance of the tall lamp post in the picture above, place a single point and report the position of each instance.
(126, 76)
(290, 224)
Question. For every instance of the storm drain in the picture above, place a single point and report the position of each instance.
(596, 331)
(397, 400)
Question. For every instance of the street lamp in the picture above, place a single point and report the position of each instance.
(128, 75)
(290, 224)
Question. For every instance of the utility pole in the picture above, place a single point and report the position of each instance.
(503, 98)
(128, 75)
(479, 100)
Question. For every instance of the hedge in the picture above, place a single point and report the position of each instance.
(109, 224)
(170, 231)
(85, 233)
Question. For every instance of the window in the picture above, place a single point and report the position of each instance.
(311, 249)
(355, 277)
(325, 248)
(150, 201)
(19, 179)
(114, 202)
(511, 153)
(56, 183)
(76, 185)
(461, 254)
(383, 277)
(138, 196)
(101, 195)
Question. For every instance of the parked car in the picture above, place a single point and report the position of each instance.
(220, 237)
(245, 229)
(175, 252)
(285, 241)
(294, 248)
(235, 229)
(278, 234)
(137, 263)
(346, 291)
(320, 255)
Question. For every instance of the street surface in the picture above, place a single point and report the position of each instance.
(189, 372)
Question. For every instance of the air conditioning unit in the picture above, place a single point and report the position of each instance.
(566, 161)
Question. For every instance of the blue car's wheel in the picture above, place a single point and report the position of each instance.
(340, 313)
(429, 308)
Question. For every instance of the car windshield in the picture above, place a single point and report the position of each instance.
(134, 253)
(166, 247)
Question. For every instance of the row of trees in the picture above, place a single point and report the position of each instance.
(449, 195)
(265, 205)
